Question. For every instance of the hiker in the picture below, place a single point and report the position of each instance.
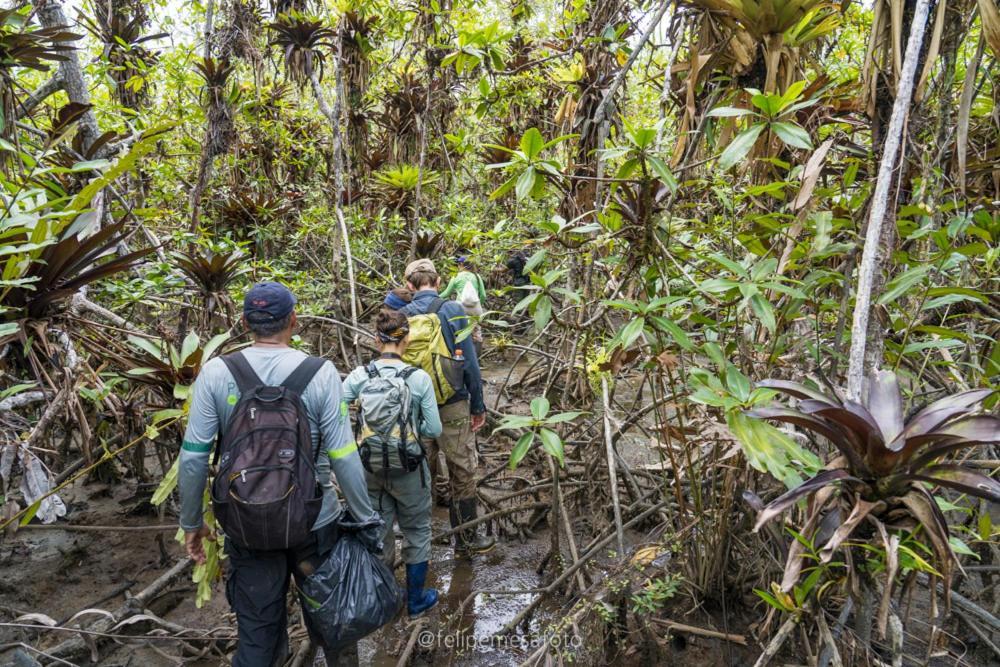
(396, 406)
(258, 578)
(468, 289)
(515, 265)
(440, 491)
(458, 387)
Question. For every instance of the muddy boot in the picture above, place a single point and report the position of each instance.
(469, 541)
(418, 598)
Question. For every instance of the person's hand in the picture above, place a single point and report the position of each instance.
(478, 421)
(370, 535)
(193, 542)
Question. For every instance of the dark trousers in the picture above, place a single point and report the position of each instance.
(257, 590)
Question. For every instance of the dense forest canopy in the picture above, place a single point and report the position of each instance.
(753, 359)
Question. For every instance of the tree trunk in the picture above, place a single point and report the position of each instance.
(880, 202)
(50, 15)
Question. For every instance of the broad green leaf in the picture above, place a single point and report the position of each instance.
(506, 187)
(663, 172)
(212, 345)
(188, 347)
(903, 283)
(511, 422)
(764, 311)
(740, 146)
(535, 260)
(552, 444)
(792, 134)
(525, 184)
(543, 312)
(539, 407)
(738, 383)
(166, 486)
(520, 449)
(628, 334)
(724, 261)
(532, 142)
(563, 417)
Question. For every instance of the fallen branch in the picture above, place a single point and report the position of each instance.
(77, 646)
(777, 641)
(701, 632)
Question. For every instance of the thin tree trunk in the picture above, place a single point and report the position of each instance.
(880, 202)
(333, 116)
(206, 162)
(612, 468)
(50, 15)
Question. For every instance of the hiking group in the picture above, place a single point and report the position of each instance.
(280, 426)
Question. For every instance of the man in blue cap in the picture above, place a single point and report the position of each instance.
(258, 580)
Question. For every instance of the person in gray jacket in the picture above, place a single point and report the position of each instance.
(258, 581)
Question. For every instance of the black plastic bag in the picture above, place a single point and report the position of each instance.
(353, 593)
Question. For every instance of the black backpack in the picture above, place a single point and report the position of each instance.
(265, 494)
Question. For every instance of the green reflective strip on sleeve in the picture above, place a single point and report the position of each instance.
(200, 447)
(341, 452)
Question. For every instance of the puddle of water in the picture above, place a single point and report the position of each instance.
(467, 639)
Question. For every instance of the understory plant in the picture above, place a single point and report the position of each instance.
(888, 477)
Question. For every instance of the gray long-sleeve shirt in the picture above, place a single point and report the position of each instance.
(215, 394)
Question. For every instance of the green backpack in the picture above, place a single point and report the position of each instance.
(429, 350)
(387, 441)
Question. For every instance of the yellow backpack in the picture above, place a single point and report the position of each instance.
(429, 350)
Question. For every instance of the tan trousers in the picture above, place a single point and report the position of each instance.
(458, 444)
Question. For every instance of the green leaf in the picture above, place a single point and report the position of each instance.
(182, 391)
(764, 311)
(724, 261)
(32, 510)
(628, 334)
(506, 187)
(663, 173)
(9, 329)
(539, 407)
(188, 347)
(525, 184)
(520, 449)
(532, 142)
(738, 383)
(167, 486)
(535, 260)
(728, 112)
(903, 283)
(212, 345)
(740, 146)
(511, 422)
(552, 444)
(563, 417)
(166, 414)
(674, 330)
(543, 312)
(792, 134)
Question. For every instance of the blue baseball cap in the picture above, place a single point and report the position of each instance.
(271, 299)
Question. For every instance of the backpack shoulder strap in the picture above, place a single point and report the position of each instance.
(372, 371)
(407, 372)
(244, 374)
(435, 305)
(303, 375)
